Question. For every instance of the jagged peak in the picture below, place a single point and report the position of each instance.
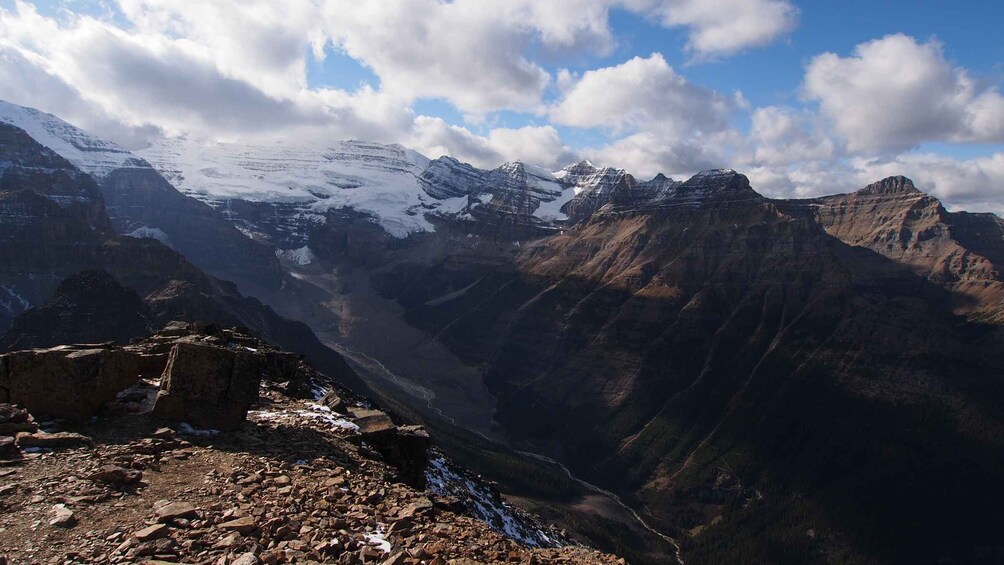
(891, 185)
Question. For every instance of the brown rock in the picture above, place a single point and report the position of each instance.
(62, 517)
(399, 558)
(60, 440)
(115, 475)
(150, 533)
(10, 414)
(167, 511)
(246, 559)
(164, 433)
(208, 386)
(8, 449)
(372, 422)
(71, 382)
(12, 429)
(242, 526)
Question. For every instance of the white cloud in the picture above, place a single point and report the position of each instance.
(642, 94)
(894, 93)
(237, 70)
(967, 184)
(647, 154)
(780, 136)
(537, 145)
(724, 27)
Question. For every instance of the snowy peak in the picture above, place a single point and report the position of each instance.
(87, 152)
(447, 177)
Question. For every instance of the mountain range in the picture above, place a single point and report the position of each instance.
(676, 369)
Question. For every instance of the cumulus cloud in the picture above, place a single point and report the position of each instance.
(536, 145)
(642, 93)
(647, 154)
(782, 135)
(725, 27)
(237, 70)
(894, 93)
(961, 184)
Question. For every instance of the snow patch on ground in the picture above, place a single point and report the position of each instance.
(187, 428)
(378, 540)
(326, 415)
(486, 504)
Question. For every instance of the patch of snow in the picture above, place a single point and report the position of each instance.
(300, 256)
(444, 480)
(379, 540)
(326, 415)
(187, 429)
(152, 233)
(318, 390)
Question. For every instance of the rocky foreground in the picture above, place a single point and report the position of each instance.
(315, 474)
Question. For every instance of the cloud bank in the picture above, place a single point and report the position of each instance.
(239, 70)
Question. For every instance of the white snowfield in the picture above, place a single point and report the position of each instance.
(380, 180)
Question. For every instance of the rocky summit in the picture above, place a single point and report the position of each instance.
(305, 470)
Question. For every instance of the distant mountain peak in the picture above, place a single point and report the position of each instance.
(891, 185)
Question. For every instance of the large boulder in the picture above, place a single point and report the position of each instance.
(71, 382)
(209, 386)
(404, 447)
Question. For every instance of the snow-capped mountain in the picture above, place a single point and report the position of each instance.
(141, 203)
(89, 153)
(379, 180)
(279, 193)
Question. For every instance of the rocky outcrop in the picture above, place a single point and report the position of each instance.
(213, 387)
(207, 386)
(404, 447)
(328, 480)
(72, 382)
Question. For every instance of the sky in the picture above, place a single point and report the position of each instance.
(805, 98)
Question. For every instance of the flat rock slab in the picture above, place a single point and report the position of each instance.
(242, 526)
(153, 532)
(60, 440)
(115, 475)
(172, 510)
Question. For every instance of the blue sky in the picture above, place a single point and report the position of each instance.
(805, 97)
